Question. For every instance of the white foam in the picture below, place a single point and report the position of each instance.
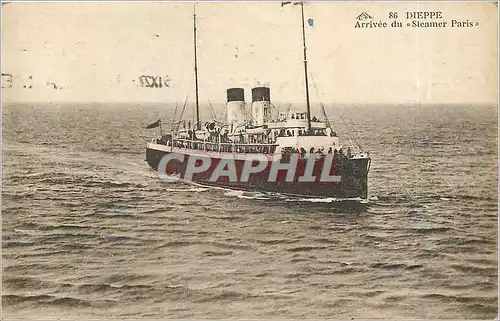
(329, 200)
(188, 189)
(246, 195)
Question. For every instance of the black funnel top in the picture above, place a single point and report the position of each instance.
(235, 94)
(261, 94)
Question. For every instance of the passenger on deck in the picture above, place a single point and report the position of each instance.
(330, 150)
(311, 151)
(349, 152)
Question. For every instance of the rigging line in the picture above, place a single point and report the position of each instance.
(175, 113)
(212, 109)
(355, 134)
(185, 101)
(276, 109)
(328, 121)
(348, 127)
(320, 103)
(350, 130)
(184, 106)
(346, 124)
(183, 109)
(177, 103)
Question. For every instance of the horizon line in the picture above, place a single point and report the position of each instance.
(223, 103)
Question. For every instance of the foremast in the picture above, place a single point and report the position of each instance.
(308, 104)
(196, 71)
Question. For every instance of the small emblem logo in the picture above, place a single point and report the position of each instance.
(364, 16)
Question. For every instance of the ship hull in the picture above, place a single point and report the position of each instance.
(353, 174)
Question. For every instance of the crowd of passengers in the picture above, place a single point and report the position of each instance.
(269, 149)
(313, 132)
(321, 151)
(295, 116)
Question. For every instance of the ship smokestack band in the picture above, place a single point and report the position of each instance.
(235, 94)
(261, 94)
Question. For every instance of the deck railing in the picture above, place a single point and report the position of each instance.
(223, 147)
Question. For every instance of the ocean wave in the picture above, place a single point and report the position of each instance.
(106, 288)
(277, 241)
(113, 184)
(24, 282)
(428, 230)
(224, 296)
(458, 299)
(125, 278)
(475, 269)
(217, 253)
(306, 248)
(159, 210)
(14, 244)
(62, 227)
(395, 266)
(44, 299)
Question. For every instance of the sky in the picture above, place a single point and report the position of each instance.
(98, 51)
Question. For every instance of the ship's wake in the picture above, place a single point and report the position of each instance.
(180, 185)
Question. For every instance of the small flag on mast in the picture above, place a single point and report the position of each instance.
(310, 22)
(154, 125)
(284, 3)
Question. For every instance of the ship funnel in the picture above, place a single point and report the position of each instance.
(235, 106)
(235, 94)
(261, 105)
(261, 94)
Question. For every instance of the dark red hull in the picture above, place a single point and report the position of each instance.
(353, 174)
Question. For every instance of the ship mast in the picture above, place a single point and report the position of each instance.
(196, 71)
(305, 69)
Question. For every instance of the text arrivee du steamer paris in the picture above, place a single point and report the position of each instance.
(416, 19)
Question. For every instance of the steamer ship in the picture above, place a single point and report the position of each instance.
(278, 138)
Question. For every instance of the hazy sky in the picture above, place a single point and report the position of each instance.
(97, 51)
